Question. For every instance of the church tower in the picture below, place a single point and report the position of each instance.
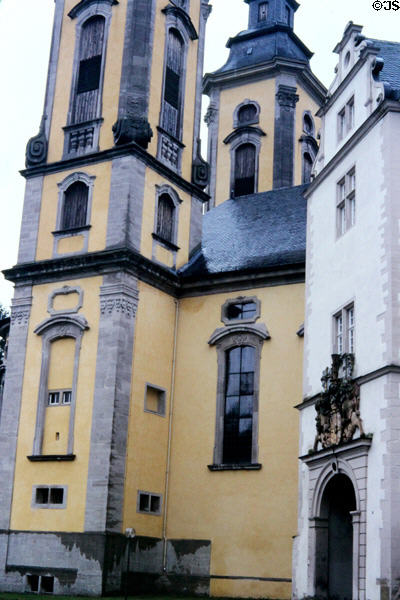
(113, 204)
(262, 130)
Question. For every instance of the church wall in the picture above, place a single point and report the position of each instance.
(245, 544)
(148, 432)
(72, 474)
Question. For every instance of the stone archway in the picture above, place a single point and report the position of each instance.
(334, 544)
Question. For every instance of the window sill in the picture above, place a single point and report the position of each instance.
(166, 243)
(71, 231)
(236, 467)
(51, 457)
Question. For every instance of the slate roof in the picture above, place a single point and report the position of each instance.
(390, 74)
(255, 46)
(254, 232)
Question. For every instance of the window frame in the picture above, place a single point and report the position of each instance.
(59, 233)
(346, 119)
(346, 317)
(172, 245)
(151, 495)
(345, 202)
(240, 300)
(49, 505)
(224, 340)
(162, 401)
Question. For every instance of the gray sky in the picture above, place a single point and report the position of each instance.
(25, 31)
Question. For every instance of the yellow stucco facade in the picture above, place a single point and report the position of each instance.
(116, 400)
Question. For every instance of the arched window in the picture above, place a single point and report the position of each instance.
(247, 113)
(85, 106)
(238, 412)
(245, 170)
(172, 95)
(307, 167)
(74, 213)
(308, 124)
(165, 218)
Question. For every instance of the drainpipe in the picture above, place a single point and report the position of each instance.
(168, 465)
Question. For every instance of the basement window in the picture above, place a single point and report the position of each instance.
(49, 496)
(43, 584)
(149, 503)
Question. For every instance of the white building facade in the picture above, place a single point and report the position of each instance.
(348, 542)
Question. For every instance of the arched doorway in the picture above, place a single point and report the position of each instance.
(334, 541)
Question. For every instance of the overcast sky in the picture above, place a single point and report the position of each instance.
(25, 31)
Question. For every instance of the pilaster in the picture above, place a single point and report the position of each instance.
(285, 107)
(105, 486)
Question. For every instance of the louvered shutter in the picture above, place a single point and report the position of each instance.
(245, 167)
(75, 206)
(172, 84)
(90, 61)
(165, 218)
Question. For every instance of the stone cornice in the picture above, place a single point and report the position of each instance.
(381, 111)
(185, 19)
(264, 70)
(129, 260)
(117, 152)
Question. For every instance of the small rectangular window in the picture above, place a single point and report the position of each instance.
(350, 114)
(49, 497)
(67, 396)
(341, 124)
(149, 503)
(346, 119)
(155, 399)
(54, 398)
(262, 11)
(46, 584)
(344, 329)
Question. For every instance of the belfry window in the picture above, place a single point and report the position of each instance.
(74, 212)
(238, 414)
(165, 218)
(87, 92)
(245, 170)
(247, 114)
(172, 95)
(307, 167)
(262, 11)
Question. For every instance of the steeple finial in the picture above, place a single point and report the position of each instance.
(265, 13)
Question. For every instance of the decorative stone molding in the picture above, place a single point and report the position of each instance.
(240, 334)
(81, 138)
(20, 311)
(132, 129)
(211, 115)
(169, 150)
(84, 4)
(64, 291)
(62, 326)
(338, 409)
(178, 14)
(200, 169)
(287, 96)
(36, 149)
(118, 298)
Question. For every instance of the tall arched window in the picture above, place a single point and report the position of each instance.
(172, 95)
(74, 213)
(245, 170)
(85, 105)
(307, 167)
(165, 218)
(238, 413)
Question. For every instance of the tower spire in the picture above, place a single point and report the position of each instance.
(266, 13)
